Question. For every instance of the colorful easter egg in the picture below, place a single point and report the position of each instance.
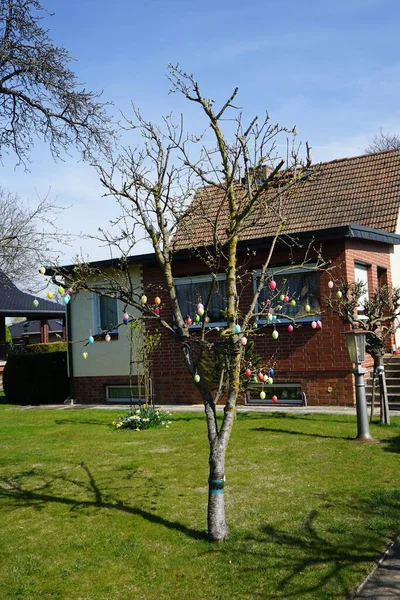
(330, 284)
(243, 341)
(236, 329)
(260, 376)
(275, 334)
(339, 294)
(272, 285)
(274, 399)
(314, 324)
(35, 303)
(66, 299)
(197, 378)
(42, 270)
(290, 328)
(262, 395)
(85, 355)
(307, 308)
(107, 337)
(157, 300)
(248, 372)
(143, 299)
(50, 295)
(90, 339)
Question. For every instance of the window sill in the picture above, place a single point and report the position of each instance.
(283, 321)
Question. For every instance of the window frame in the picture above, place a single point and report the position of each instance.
(186, 279)
(289, 269)
(361, 265)
(96, 314)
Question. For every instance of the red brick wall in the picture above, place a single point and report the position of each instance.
(317, 358)
(93, 389)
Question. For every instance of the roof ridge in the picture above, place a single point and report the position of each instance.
(358, 156)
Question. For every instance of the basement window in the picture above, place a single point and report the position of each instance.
(123, 394)
(287, 393)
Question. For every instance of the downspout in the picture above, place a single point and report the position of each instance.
(70, 362)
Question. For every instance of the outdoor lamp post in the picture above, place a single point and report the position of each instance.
(355, 340)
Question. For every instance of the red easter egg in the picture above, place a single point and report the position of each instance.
(272, 285)
(290, 328)
(319, 324)
(260, 376)
(286, 298)
(248, 372)
(274, 399)
(157, 311)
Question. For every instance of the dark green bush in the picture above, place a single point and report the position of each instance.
(36, 378)
(45, 348)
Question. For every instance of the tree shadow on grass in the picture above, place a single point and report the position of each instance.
(81, 421)
(290, 432)
(43, 494)
(317, 558)
(392, 444)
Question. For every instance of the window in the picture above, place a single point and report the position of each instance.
(105, 314)
(361, 276)
(298, 283)
(191, 291)
(123, 394)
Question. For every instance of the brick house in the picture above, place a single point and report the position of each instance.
(346, 210)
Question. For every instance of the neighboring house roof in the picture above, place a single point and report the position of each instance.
(13, 302)
(362, 191)
(17, 330)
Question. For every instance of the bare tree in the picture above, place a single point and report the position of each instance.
(26, 236)
(379, 319)
(202, 193)
(383, 141)
(40, 96)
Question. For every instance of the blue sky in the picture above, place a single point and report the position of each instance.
(332, 68)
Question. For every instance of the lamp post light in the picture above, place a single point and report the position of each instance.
(355, 341)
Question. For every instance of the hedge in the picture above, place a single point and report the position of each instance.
(45, 348)
(36, 378)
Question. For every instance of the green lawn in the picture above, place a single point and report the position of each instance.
(90, 513)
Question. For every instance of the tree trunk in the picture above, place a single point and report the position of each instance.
(218, 530)
(383, 397)
(373, 395)
(385, 417)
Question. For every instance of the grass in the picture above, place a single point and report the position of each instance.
(90, 513)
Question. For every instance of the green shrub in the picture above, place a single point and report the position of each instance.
(45, 348)
(36, 378)
(142, 417)
(8, 335)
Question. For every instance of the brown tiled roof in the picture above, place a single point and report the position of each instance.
(363, 190)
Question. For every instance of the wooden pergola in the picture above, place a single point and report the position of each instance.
(14, 303)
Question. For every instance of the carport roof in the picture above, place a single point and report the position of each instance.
(15, 303)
